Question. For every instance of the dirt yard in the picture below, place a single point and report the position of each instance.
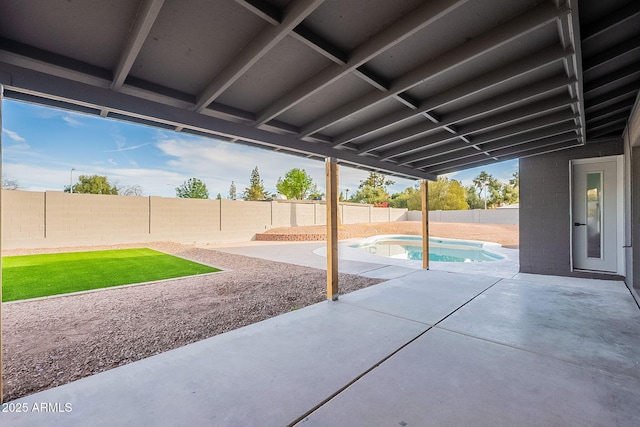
(53, 341)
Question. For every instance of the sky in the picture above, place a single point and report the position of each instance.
(41, 146)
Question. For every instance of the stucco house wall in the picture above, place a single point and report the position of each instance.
(545, 205)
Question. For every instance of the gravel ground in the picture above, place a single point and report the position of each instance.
(53, 341)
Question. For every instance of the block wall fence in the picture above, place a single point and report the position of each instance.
(474, 216)
(53, 218)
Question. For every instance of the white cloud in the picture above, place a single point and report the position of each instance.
(218, 163)
(72, 120)
(154, 182)
(13, 135)
(121, 144)
(124, 148)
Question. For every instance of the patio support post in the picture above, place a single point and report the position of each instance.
(424, 189)
(1, 394)
(332, 228)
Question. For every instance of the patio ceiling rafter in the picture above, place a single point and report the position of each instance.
(611, 70)
(382, 85)
(628, 12)
(541, 15)
(149, 10)
(492, 79)
(483, 108)
(307, 36)
(536, 109)
(392, 35)
(485, 159)
(293, 15)
(147, 14)
(487, 142)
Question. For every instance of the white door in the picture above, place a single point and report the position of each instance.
(595, 215)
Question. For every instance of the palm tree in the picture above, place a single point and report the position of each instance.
(482, 181)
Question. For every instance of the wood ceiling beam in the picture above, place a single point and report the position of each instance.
(483, 108)
(147, 15)
(537, 17)
(395, 33)
(294, 14)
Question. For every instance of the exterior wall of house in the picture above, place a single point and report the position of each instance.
(632, 202)
(545, 205)
(633, 257)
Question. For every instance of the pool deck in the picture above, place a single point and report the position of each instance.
(423, 348)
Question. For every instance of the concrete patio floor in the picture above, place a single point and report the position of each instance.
(424, 348)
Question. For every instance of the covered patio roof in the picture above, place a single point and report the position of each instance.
(412, 88)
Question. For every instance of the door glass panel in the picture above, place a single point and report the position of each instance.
(594, 215)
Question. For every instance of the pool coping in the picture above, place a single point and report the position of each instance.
(505, 268)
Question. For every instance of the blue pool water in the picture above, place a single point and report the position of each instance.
(410, 247)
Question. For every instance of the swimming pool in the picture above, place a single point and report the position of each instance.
(401, 246)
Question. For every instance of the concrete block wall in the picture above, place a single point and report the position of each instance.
(23, 217)
(379, 214)
(477, 216)
(299, 213)
(397, 214)
(355, 214)
(321, 213)
(54, 219)
(83, 219)
(183, 221)
(545, 205)
(244, 219)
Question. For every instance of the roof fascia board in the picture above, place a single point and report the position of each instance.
(88, 96)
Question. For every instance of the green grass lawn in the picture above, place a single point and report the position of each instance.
(32, 276)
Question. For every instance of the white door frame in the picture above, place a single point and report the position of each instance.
(619, 208)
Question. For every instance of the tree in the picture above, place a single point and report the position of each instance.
(511, 192)
(472, 198)
(93, 184)
(297, 184)
(444, 194)
(256, 187)
(11, 184)
(406, 198)
(373, 189)
(481, 181)
(515, 181)
(130, 190)
(486, 182)
(232, 191)
(447, 195)
(315, 193)
(192, 188)
(219, 196)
